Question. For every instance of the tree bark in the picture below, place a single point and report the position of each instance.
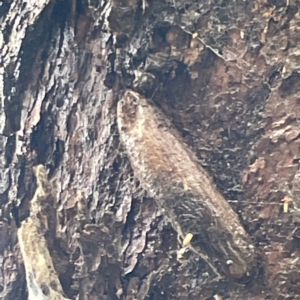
(78, 219)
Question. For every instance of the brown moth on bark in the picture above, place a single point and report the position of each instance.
(170, 173)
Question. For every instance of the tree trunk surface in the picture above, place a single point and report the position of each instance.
(147, 146)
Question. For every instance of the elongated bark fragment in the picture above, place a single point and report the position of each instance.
(41, 277)
(42, 280)
(169, 171)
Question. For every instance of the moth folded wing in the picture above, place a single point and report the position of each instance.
(234, 255)
(170, 173)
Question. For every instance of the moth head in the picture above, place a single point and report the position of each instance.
(127, 109)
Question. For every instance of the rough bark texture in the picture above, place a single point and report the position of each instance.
(225, 74)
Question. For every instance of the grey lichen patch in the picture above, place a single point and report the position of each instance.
(40, 273)
(170, 173)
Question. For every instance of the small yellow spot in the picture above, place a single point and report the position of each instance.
(286, 201)
(194, 35)
(187, 239)
(283, 70)
(185, 186)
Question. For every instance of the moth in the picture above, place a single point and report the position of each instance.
(169, 171)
